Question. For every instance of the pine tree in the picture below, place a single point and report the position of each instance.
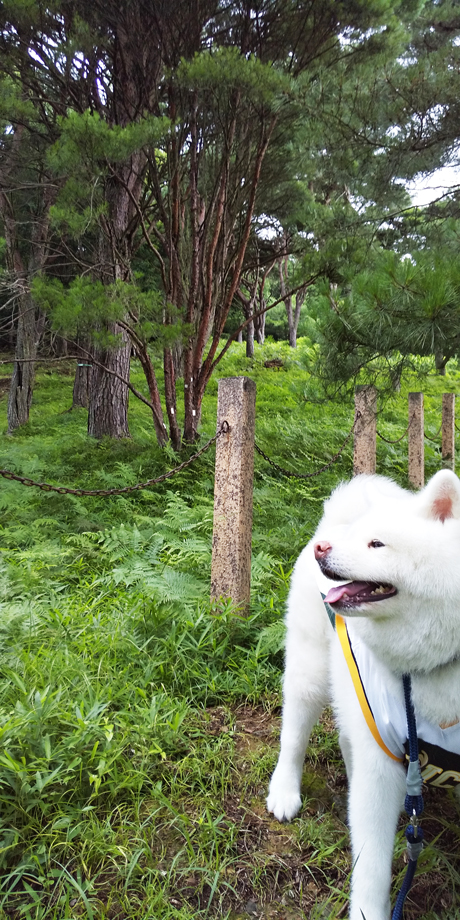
(85, 58)
(409, 119)
(395, 309)
(233, 81)
(26, 195)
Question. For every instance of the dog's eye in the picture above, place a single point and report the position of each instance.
(375, 544)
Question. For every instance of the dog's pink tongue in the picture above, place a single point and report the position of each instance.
(354, 587)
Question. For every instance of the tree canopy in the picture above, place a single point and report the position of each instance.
(175, 138)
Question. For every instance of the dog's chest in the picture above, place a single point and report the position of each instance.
(436, 695)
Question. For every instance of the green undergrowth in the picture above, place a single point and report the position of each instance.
(139, 725)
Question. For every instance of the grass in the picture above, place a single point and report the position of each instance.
(139, 729)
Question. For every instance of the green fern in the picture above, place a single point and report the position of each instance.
(271, 639)
(261, 566)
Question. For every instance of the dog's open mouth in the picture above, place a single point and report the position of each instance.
(359, 592)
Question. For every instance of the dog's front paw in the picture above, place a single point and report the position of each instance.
(284, 807)
(283, 798)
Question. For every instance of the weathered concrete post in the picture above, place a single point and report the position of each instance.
(448, 430)
(365, 441)
(416, 439)
(233, 487)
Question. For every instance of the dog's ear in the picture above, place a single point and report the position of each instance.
(440, 499)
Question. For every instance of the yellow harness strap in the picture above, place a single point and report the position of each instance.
(358, 685)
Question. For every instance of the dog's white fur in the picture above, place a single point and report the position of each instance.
(417, 630)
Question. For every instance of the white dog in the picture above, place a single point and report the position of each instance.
(389, 561)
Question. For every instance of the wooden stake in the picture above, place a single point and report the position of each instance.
(233, 488)
(365, 442)
(416, 439)
(448, 431)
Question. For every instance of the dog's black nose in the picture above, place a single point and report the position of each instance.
(322, 549)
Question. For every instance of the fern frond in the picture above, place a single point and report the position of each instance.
(261, 565)
(271, 639)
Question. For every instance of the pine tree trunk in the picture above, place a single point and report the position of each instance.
(59, 345)
(23, 269)
(149, 371)
(22, 381)
(440, 363)
(83, 371)
(108, 395)
(108, 402)
(108, 406)
(178, 358)
(283, 276)
(293, 315)
(250, 339)
(170, 398)
(192, 418)
(190, 413)
(292, 333)
(248, 309)
(81, 386)
(260, 324)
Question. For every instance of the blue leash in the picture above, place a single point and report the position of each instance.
(413, 802)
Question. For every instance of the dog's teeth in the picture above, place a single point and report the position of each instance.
(382, 589)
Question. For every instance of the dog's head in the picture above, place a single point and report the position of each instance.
(398, 556)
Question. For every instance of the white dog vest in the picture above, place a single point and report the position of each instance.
(385, 714)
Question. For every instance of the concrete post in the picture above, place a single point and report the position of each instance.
(416, 439)
(365, 440)
(233, 487)
(448, 430)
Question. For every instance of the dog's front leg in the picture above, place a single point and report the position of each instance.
(376, 797)
(306, 689)
(303, 704)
